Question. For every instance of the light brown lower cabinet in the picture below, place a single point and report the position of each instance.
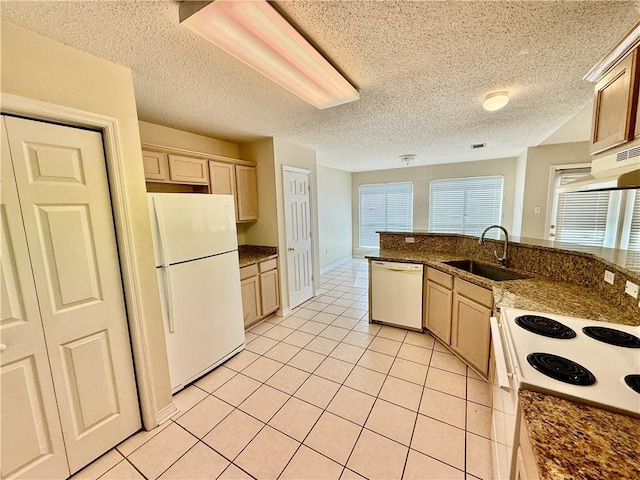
(457, 312)
(525, 462)
(470, 331)
(437, 308)
(260, 292)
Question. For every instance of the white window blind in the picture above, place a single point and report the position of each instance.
(634, 234)
(465, 205)
(581, 216)
(384, 206)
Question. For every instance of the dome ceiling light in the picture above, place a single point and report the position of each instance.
(495, 101)
(408, 158)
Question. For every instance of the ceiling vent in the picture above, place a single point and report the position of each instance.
(475, 146)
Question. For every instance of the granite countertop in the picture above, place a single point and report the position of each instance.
(571, 440)
(251, 254)
(536, 293)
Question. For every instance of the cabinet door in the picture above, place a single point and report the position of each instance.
(156, 166)
(438, 311)
(470, 334)
(188, 170)
(251, 307)
(247, 190)
(613, 106)
(222, 178)
(269, 291)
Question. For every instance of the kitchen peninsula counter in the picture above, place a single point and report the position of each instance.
(572, 440)
(252, 254)
(537, 293)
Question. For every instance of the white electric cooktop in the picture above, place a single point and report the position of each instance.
(607, 364)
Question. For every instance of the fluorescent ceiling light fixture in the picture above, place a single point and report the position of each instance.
(255, 33)
(495, 101)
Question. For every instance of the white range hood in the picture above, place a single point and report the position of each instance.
(616, 171)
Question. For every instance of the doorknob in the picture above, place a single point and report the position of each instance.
(552, 234)
(291, 249)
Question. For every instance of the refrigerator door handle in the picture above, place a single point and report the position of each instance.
(170, 306)
(162, 232)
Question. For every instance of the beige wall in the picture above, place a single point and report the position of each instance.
(421, 176)
(518, 201)
(537, 182)
(334, 215)
(265, 230)
(170, 137)
(38, 68)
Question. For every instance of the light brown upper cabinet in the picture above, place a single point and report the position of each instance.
(189, 170)
(222, 178)
(615, 105)
(156, 166)
(247, 193)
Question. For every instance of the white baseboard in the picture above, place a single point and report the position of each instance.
(166, 413)
(335, 264)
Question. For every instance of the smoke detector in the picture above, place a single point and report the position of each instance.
(408, 158)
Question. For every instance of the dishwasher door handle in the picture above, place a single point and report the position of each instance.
(398, 267)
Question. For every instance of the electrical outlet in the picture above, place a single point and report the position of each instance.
(409, 240)
(609, 277)
(631, 289)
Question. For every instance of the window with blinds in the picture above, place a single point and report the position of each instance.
(465, 205)
(634, 232)
(384, 206)
(581, 217)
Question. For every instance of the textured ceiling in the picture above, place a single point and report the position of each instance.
(422, 69)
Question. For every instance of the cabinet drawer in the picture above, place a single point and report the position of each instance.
(474, 292)
(268, 265)
(248, 271)
(188, 170)
(440, 278)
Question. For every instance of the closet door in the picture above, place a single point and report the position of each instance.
(64, 197)
(31, 436)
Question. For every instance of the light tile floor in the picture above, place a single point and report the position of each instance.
(322, 394)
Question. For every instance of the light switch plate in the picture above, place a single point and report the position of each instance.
(631, 289)
(609, 277)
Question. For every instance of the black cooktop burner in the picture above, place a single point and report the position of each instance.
(545, 326)
(612, 336)
(634, 382)
(561, 369)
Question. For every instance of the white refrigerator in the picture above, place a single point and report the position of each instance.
(196, 252)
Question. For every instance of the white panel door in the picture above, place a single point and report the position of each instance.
(298, 225)
(64, 196)
(31, 445)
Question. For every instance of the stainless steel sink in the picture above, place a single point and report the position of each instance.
(487, 271)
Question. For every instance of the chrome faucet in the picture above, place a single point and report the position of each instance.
(501, 260)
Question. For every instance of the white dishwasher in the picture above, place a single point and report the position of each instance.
(396, 293)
